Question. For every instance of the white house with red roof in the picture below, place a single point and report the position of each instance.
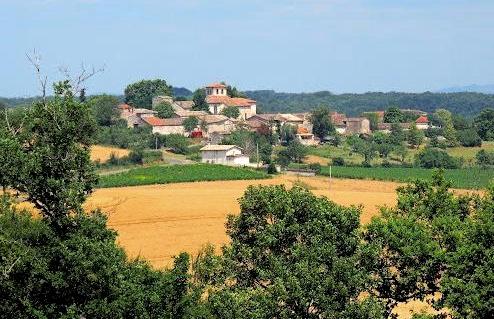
(218, 99)
(422, 122)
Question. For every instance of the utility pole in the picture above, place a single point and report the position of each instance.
(330, 166)
(257, 153)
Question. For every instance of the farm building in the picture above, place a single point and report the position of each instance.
(224, 154)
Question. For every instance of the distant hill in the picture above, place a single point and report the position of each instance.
(486, 89)
(467, 103)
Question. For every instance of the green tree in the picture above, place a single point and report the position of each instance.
(394, 115)
(233, 92)
(105, 109)
(82, 273)
(484, 158)
(288, 133)
(468, 283)
(363, 147)
(436, 158)
(60, 131)
(292, 255)
(199, 99)
(140, 94)
(232, 112)
(165, 110)
(401, 151)
(190, 123)
(446, 123)
(484, 123)
(434, 241)
(397, 136)
(415, 137)
(294, 152)
(321, 123)
(469, 138)
(11, 160)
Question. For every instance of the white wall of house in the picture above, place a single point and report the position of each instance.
(232, 156)
(422, 126)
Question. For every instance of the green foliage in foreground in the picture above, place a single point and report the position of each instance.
(178, 174)
(292, 255)
(470, 178)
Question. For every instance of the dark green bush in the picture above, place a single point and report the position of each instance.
(436, 158)
(272, 168)
(315, 167)
(469, 138)
(484, 158)
(338, 161)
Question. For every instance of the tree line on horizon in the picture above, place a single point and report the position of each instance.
(463, 103)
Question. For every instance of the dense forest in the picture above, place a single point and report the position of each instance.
(465, 103)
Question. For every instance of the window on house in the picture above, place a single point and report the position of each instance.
(217, 91)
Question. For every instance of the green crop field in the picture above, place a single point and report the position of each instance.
(177, 174)
(469, 178)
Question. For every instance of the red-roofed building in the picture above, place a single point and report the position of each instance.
(422, 122)
(218, 99)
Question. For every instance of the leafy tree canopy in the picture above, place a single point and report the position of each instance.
(190, 123)
(321, 122)
(105, 109)
(199, 99)
(165, 110)
(140, 94)
(484, 123)
(292, 255)
(231, 111)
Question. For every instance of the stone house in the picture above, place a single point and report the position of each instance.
(166, 126)
(357, 125)
(135, 116)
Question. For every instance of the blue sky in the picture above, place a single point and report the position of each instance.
(286, 45)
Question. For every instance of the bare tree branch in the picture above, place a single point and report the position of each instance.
(35, 59)
(77, 82)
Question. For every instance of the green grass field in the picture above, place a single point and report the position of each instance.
(177, 174)
(328, 151)
(469, 178)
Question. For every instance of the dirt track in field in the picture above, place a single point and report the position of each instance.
(159, 221)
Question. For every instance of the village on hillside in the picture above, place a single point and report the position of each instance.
(214, 124)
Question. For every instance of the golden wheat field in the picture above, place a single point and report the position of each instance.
(102, 153)
(159, 221)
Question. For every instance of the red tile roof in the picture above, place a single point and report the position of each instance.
(229, 101)
(422, 120)
(216, 85)
(156, 121)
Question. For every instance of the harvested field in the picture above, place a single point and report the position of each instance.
(159, 221)
(102, 153)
